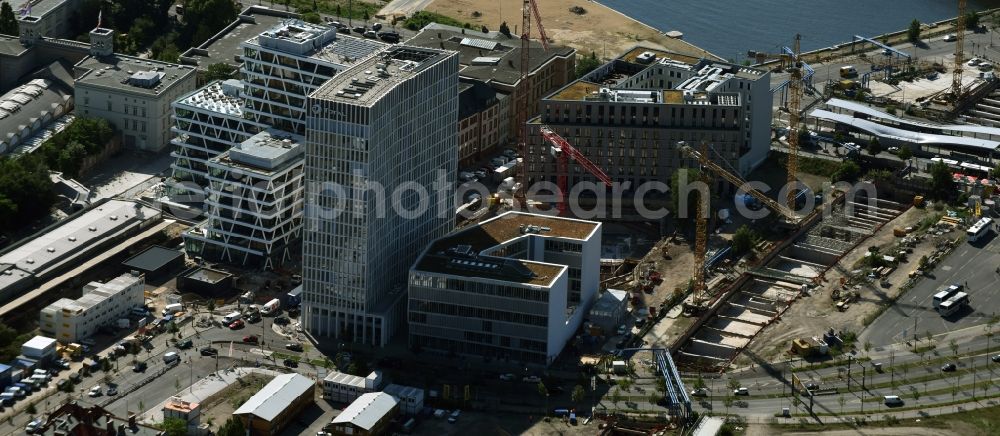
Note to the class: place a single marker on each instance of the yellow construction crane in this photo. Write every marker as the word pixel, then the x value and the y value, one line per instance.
pixel 956 78
pixel 706 162
pixel 793 64
pixel 701 234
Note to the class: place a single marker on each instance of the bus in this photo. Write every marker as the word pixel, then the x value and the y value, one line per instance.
pixel 953 304
pixel 945 293
pixel 979 229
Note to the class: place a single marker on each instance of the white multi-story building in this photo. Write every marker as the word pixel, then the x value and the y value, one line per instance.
pixel 288 62
pixel 628 115
pixel 383 131
pixel 344 388
pixel 514 288
pixel 133 94
pixel 101 304
pixel 254 203
pixel 207 122
pixel 50 18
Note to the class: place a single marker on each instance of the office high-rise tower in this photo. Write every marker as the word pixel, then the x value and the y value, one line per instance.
pixel 380 142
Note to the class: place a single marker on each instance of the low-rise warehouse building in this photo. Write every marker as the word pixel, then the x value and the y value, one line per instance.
pixel 101 304
pixel 156 261
pixel 205 282
pixel 369 415
pixel 39 348
pixel 270 410
pixel 344 388
pixel 411 399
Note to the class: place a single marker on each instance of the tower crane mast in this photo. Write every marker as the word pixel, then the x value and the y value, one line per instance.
pixel 563 152
pixel 528 8
pixel 956 78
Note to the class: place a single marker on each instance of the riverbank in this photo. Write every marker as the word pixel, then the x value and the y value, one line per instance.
pixel 599 29
pixel 928 31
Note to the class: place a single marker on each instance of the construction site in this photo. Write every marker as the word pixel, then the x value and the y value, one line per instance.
pixel 796 268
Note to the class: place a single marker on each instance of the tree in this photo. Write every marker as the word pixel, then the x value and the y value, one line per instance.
pixel 868 346
pixel 625 384
pixel 311 17
pixel 972 20
pixel 204 18
pixel 733 384
pixel 847 171
pixel 210 305
pixel 220 71
pixel 578 393
pixel 904 153
pixel 728 402
pixel 699 383
pixel 544 392
pixel 874 147
pixel 366 16
pixel 913 33
pixel 232 427
pixel 31 406
pixel 841 401
pixel 942 183
pixel 586 64
pixel 743 240
pixel 954 347
pixel 8 22
pixel 505 30
pixel 175 427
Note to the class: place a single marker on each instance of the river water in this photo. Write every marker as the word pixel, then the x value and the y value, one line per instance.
pixel 728 28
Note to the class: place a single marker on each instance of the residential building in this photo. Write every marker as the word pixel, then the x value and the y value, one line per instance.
pixel 345 388
pixel 133 94
pixel 101 304
pixel 369 415
pixel 515 287
pixel 483 120
pixel 494 58
pixel 207 122
pixel 628 115
pixel 51 18
pixel 283 65
pixel 270 410
pixel 411 399
pixel 187 411
pixel 254 203
pixel 386 124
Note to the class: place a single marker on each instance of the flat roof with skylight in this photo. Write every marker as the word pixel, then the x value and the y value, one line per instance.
pixel 317 42
pixel 366 82
pixel 131 74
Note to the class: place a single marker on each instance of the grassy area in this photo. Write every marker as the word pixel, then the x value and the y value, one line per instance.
pixel 282 356
pixel 423 18
pixel 342 8
pixel 819 167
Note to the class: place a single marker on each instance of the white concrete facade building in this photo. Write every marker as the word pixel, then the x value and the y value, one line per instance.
pixel 207 122
pixel 133 94
pixel 513 288
pixel 50 18
pixel 345 388
pixel 254 203
pixel 288 62
pixel 102 304
pixel 387 124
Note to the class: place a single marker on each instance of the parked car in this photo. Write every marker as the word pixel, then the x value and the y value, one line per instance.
pixel 949 37
pixel 294 346
pixel 112 391
pixel 96 391
pixel 281 320
pixel 376 26
pixel 185 344
pixel 741 391
pixel 973 62
pixel 370 34
pixel 996 358
pixel 237 324
pixel 506 377
pixel 700 392
pixel 391 37
pixel 290 363
pixel 139 367
pixel 360 29
pixel 948 367
pixel 209 351
pixel 33 426
pixel 453 418
pixel 812 386
pixel 532 379
pixel 252 339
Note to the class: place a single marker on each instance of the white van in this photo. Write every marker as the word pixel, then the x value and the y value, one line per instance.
pixel 171 357
pixel 228 319
pixel 172 309
pixel 893 400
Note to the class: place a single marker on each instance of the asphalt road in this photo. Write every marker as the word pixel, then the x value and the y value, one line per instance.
pixel 971 264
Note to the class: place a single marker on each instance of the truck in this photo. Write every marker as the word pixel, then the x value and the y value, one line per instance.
pixel 172 309
pixel 270 307
pixel 506 170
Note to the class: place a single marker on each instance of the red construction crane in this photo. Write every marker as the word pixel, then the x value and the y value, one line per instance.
pixel 563 152
pixel 528 7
